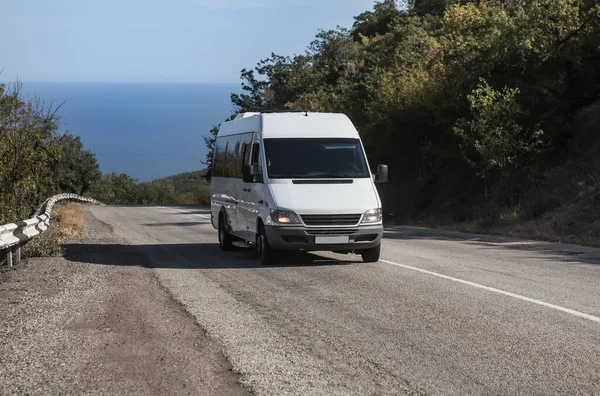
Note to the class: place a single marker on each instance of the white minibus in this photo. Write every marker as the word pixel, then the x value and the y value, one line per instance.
pixel 295 181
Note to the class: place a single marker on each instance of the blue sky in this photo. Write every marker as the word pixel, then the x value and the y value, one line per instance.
pixel 157 40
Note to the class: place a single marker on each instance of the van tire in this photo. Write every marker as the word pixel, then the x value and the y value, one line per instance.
pixel 264 251
pixel 371 255
pixel 225 239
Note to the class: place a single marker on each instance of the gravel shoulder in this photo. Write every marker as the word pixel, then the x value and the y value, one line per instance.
pixel 71 327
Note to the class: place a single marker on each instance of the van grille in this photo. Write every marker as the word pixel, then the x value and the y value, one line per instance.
pixel 329 220
pixel 331 232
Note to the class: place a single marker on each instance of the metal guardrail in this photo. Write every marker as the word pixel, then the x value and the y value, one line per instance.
pixel 13 235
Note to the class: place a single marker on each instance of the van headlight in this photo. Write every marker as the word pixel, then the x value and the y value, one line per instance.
pixel 284 217
pixel 372 216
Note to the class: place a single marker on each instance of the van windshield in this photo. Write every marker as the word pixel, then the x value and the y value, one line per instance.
pixel 288 158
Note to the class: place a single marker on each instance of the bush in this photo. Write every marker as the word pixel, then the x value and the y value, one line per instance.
pixel 539 204
pixel 116 189
pixel 203 195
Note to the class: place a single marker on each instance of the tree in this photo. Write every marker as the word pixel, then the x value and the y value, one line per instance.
pixel 158 192
pixel 495 142
pixel 118 189
pixel 78 168
pixel 452 94
pixel 377 22
pixel 28 153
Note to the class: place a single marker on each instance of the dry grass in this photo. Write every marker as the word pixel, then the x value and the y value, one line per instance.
pixel 69 219
pixel 185 199
pixel 201 197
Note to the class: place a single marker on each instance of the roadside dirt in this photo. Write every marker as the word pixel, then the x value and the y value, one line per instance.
pixel 70 327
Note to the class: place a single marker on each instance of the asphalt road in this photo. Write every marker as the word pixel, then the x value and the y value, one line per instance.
pixel 441 313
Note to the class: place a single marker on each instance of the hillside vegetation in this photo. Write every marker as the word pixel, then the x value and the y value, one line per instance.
pixel 122 189
pixel 476 106
pixel 37 161
pixel 188 182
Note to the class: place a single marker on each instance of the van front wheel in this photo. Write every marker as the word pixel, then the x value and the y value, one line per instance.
pixel 371 255
pixel 264 251
pixel 225 240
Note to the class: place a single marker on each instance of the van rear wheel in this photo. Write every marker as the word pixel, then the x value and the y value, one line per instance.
pixel 264 251
pixel 371 255
pixel 225 239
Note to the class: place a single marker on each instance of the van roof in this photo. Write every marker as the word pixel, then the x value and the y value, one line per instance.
pixel 291 125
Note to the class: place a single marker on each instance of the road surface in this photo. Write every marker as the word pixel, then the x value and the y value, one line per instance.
pixel 441 313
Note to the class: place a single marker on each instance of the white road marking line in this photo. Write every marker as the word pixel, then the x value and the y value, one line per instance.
pixel 465 282
pixel 205 217
pixel 503 292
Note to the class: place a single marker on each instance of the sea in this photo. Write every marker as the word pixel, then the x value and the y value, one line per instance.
pixel 146 130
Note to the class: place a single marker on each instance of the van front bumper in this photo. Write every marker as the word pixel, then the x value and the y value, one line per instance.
pixel 324 239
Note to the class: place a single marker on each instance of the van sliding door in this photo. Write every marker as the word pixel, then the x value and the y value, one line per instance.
pixel 254 191
pixel 232 185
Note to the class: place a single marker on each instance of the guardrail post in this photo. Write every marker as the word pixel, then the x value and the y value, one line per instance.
pixel 9 257
pixel 18 254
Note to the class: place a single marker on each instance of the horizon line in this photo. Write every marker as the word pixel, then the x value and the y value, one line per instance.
pixel 117 82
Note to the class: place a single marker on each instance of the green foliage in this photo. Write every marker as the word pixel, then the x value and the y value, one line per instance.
pixel 494 141
pixel 188 182
pixel 210 145
pixel 77 168
pixel 188 188
pixel 115 188
pixel 158 192
pixel 27 153
pixel 122 189
pixel 35 161
pixel 453 95
pixel 47 244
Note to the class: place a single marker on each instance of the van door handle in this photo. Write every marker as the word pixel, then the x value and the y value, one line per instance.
pixel 246 189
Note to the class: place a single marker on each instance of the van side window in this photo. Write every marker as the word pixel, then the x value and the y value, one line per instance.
pixel 219 160
pixel 229 155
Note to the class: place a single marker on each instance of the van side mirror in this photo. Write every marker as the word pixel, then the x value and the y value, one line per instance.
pixel 382 174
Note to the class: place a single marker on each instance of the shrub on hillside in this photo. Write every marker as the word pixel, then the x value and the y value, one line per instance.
pixel 203 195
pixel 47 244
